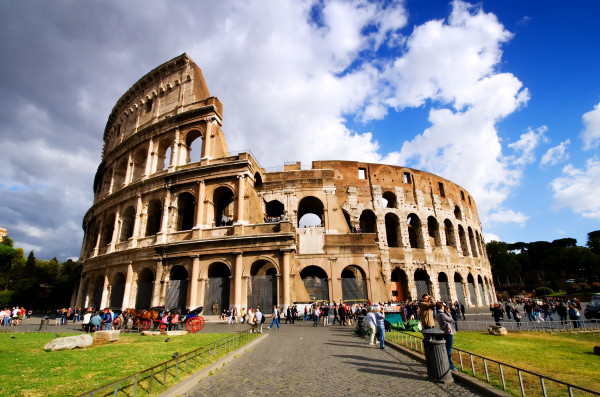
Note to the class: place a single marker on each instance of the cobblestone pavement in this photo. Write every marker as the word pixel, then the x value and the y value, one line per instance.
pixel 302 360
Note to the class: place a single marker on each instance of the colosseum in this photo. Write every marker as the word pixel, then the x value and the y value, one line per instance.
pixel 180 221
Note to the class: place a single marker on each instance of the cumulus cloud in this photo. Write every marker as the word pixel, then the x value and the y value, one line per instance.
pixel 507 216
pixel 555 155
pixel 591 132
pixel 579 189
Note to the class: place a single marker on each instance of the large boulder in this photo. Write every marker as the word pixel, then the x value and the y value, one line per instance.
pixel 497 330
pixel 106 336
pixel 151 333
pixel 69 342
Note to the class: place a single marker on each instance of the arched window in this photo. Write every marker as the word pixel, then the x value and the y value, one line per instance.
pixel 390 200
pixel 177 288
pixel 458 285
pixel 423 283
pixel 463 241
pixel 257 180
pixel 262 286
pixel 218 286
pixel 193 146
pixel 127 223
pixel 186 209
pixel 108 229
pixel 415 234
pixel 120 172
pixel 154 219
pixel 348 221
pixel 392 228
pixel 145 283
pixel 457 213
pixel 164 155
pixel 139 165
pixel 315 281
pixel 473 243
pixel 117 289
pixel 444 289
pixel 311 212
pixel 223 205
pixel 368 222
pixel 274 210
pixel 449 231
pixel 399 285
pixel 106 182
pixel 433 228
pixel 471 284
pixel 483 296
pixel 354 284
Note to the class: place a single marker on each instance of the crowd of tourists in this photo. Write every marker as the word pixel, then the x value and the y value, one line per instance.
pixel 14 316
pixel 538 310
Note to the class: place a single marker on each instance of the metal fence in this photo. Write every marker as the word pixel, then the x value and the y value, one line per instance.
pixel 514 380
pixel 526 325
pixel 161 376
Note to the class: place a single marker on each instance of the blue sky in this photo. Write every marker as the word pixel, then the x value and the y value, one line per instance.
pixel 500 97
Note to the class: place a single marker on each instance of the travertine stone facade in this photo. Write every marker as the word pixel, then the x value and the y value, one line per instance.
pixel 180 221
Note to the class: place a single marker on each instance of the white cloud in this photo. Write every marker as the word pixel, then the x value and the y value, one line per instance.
pixel 591 132
pixel 507 216
pixel 555 155
pixel 579 189
pixel 490 237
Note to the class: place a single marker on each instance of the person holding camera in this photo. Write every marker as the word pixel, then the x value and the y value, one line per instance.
pixel 446 323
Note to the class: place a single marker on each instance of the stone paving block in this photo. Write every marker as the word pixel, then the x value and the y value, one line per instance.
pixel 106 336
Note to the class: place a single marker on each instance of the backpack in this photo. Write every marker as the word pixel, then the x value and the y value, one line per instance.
pixel 262 319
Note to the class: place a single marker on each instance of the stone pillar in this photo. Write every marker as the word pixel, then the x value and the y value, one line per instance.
pixel 371 277
pixel 129 172
pixel 128 282
pixel 116 229
pixel 452 287
pixel 103 300
pixel 149 159
pixel 206 142
pixel 200 200
pixel 79 296
pixel 138 219
pixel 237 285
pixel 467 293
pixel 111 187
pixel 194 283
pixel 412 286
pixel 202 287
pixel 436 287
pixel 240 199
pixel 175 152
pixel 285 266
pixel 164 226
pixel 156 287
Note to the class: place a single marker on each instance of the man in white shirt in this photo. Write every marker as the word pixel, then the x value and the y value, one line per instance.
pixel 371 323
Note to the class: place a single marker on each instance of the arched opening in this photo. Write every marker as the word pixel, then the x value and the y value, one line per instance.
pixel 139 165
pixel 458 286
pixel 275 211
pixel 119 177
pixel 145 282
pixel 368 222
pixel 389 200
pixel 423 283
pixel 444 289
pixel 91 235
pixel 449 231
pixel 164 155
pixel 433 228
pixel 471 285
pixel 262 286
pixel 106 182
pixel 481 292
pixel 193 145
pixel 97 293
pixel 399 286
pixel 177 288
pixel 153 222
pixel 415 234
pixel 392 227
pixel 490 290
pixel 478 242
pixel 117 290
pixel 351 228
pixel 354 284
pixel 315 281
pixel 257 180
pixel 457 213
pixel 311 212
pixel 127 223
pixel 186 209
pixel 473 243
pixel 217 287
pixel 463 241
pixel 107 230
pixel 223 204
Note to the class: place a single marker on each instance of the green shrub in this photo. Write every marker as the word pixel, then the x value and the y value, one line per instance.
pixel 541 291
pixel 5 298
pixel 572 288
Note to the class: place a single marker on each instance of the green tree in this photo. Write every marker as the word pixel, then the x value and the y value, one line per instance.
pixel 505 265
pixel 593 241
pixel 30 266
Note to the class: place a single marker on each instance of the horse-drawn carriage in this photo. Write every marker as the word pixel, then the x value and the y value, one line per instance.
pixel 143 320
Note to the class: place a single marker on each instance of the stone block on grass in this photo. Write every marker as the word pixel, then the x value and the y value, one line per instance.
pixel 101 337
pixel 497 330
pixel 174 333
pixel 69 342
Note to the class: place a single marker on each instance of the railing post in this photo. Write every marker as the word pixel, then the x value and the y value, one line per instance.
pixel 521 383
pixel 487 375
pixel 472 364
pixel 502 377
pixel 151 379
pixel 135 383
pixel 543 386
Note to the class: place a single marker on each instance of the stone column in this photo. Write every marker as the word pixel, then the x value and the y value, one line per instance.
pixel 371 277
pixel 467 293
pixel 79 296
pixel 206 142
pixel 237 284
pixel 164 226
pixel 138 220
pixel 194 282
pixel 128 281
pixel 201 292
pixel 156 287
pixel 175 152
pixel 116 229
pixel 412 286
pixel 240 199
pixel 285 266
pixel 129 172
pixel 452 286
pixel 200 206
pixel 103 300
pixel 112 180
pixel 149 159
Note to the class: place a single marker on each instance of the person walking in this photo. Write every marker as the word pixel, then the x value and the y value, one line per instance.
pixel 446 324
pixel 372 325
pixel 426 312
pixel 379 318
pixel 258 317
pixel 275 317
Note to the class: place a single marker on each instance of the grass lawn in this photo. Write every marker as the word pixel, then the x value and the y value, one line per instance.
pixel 566 356
pixel 27 370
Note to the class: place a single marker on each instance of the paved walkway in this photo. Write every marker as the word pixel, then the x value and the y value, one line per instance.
pixel 302 360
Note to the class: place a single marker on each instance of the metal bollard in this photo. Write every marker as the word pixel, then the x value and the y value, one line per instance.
pixel 436 357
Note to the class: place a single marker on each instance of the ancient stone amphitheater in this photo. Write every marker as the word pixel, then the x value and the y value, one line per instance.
pixel 180 221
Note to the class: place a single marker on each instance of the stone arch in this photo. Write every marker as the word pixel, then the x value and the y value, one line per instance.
pixel 316 282
pixel 108 229
pixel 399 285
pixel 449 231
pixel 138 168
pixel 390 200
pixel 91 235
pixel 311 212
pixel 145 284
pixel 186 210
pixel 354 284
pixel 457 213
pixel 433 228
pixel 193 144
pixel 392 230
pixel 154 217
pixel 471 286
pixel 257 180
pixel 177 287
pixel 472 242
pixel 274 210
pixel 415 232
pixel 218 286
pixel 223 202
pixel 423 282
pixel 117 289
pixel 106 180
pixel 127 224
pixel 463 240
pixel 164 154
pixel 119 174
pixel 348 221
pixel 478 242
pixel 484 298
pixel 97 289
pixel 262 285
pixel 444 287
pixel 458 286
pixel 368 222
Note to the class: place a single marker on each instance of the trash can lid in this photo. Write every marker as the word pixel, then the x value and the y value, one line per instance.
pixel 433 333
